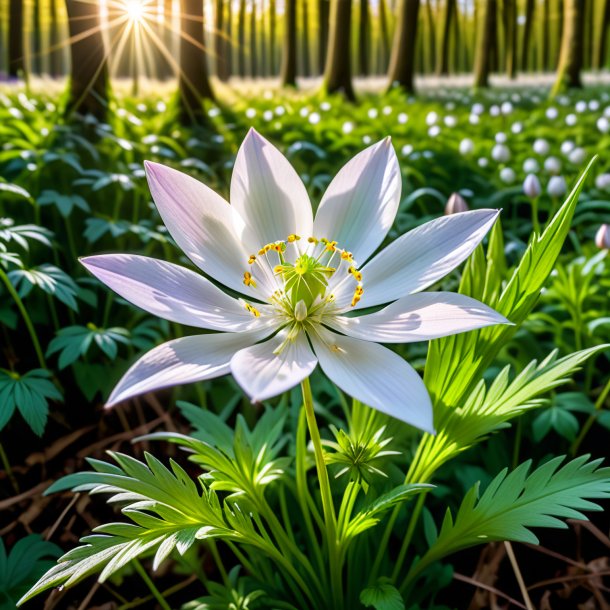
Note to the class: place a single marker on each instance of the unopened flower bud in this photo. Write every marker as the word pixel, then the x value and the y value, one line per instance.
pixel 552 165
pixel 507 175
pixel 602 237
pixel 531 186
pixel 602 182
pixel 500 153
pixel 541 147
pixel 557 186
pixel 455 204
pixel 577 156
pixel 466 147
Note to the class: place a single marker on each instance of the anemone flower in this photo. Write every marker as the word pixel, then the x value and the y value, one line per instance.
pixel 303 281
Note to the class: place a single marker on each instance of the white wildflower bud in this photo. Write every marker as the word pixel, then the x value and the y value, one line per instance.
pixel 466 147
pixel 450 120
pixel 483 162
pixel 474 119
pixel 594 105
pixel 571 120
pixel 552 113
pixel 557 186
pixel 506 108
pixel 478 108
pixel 531 166
pixel 434 131
pixel 300 311
pixel 567 146
pixel 500 153
pixel 431 118
pixel 580 106
pixel 602 182
pixel 602 237
pixel 494 110
pixel 531 186
pixel 517 127
pixel 552 165
pixel 577 156
pixel 455 204
pixel 603 124
pixel 541 147
pixel 507 175
pixel 500 137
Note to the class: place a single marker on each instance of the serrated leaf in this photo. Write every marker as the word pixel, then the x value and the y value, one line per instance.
pixel 382 596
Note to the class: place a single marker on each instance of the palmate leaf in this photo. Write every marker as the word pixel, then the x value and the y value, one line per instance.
pixel 21 234
pixel 514 502
pixel 64 203
pixel 382 596
pixel 50 279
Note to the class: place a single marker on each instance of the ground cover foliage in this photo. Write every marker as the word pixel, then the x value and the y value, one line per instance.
pixel 235 520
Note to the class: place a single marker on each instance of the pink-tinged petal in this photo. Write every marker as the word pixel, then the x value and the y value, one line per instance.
pixel 361 202
pixel 262 373
pixel 375 376
pixel 171 292
pixel 419 317
pixel 423 256
pixel 269 197
pixel 184 360
pixel 201 223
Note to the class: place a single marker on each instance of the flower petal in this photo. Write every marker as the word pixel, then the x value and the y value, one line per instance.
pixel 361 202
pixel 263 374
pixel 201 223
pixel 268 195
pixel 170 291
pixel 184 360
pixel 423 256
pixel 376 376
pixel 419 317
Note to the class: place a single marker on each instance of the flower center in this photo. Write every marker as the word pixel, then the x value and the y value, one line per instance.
pixel 306 272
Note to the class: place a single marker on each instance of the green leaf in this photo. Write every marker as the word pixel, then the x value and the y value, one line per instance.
pixel 48 278
pixel 382 596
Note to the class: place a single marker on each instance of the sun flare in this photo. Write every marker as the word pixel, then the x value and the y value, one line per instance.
pixel 135 10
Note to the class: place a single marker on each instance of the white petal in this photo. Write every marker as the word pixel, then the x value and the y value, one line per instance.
pixel 419 317
pixel 201 223
pixel 184 360
pixel 423 256
pixel 268 195
pixel 361 202
pixel 375 376
pixel 263 374
pixel 170 291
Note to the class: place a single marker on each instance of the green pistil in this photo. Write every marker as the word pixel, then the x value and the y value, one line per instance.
pixel 306 280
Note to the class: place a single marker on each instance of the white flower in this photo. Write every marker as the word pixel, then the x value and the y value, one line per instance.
pixel 387 110
pixel 580 106
pixel 577 156
pixel 557 186
pixel 456 204
pixel 483 162
pixel 302 279
pixel 347 127
pixel 250 113
pixel 506 108
pixel 530 166
pixel 593 105
pixel 552 165
pixel 566 147
pixel 602 182
pixel 434 131
pixel 571 119
pixel 541 147
pixel 517 127
pixel 552 113
pixel 466 146
pixel 268 115
pixel 474 119
pixel 402 118
pixel 406 150
pixel 477 108
pixel 500 153
pixel 494 110
pixel 431 118
pixel 500 138
pixel 325 106
pixel 372 113
pixel 603 124
pixel 314 118
pixel 507 175
pixel 602 237
pixel 531 186
pixel 450 120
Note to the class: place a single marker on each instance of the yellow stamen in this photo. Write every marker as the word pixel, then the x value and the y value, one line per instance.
pixel 255 312
pixel 251 259
pixel 313 240
pixel 346 256
pixel 293 237
pixel 331 246
pixel 249 280
pixel 277 269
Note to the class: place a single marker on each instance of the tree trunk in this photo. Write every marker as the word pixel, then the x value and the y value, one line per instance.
pixel 241 39
pixel 55 52
pixel 193 84
pixel 527 35
pixel 546 27
pixel 264 67
pixel 88 92
pixel 485 44
pixel 338 68
pixel 305 39
pixel 323 16
pixel 384 36
pixel 430 57
pixel 16 64
pixel 363 39
pixel 253 50
pixel 603 36
pixel 442 63
pixel 229 40
pixel 571 55
pixel 288 72
pixel 402 62
pixel 36 39
pixel 220 42
pixel 510 35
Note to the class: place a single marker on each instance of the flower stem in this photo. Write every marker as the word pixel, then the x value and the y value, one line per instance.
pixel 599 403
pixel 328 508
pixel 151 585
pixel 25 316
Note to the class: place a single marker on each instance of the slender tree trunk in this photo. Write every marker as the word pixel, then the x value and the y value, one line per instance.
pixel 546 26
pixel 430 57
pixel 241 39
pixel 229 40
pixel 510 32
pixel 364 38
pixel 485 44
pixel 88 92
pixel 305 39
pixel 442 63
pixel 288 72
pixel 272 35
pixel 220 42
pixel 55 53
pixel 36 39
pixel 264 67
pixel 384 36
pixel 571 55
pixel 193 84
pixel 603 36
pixel 527 34
pixel 323 17
pixel 253 49
pixel 16 63
pixel 402 62
pixel 338 69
